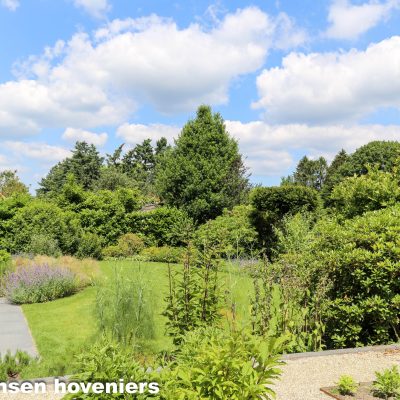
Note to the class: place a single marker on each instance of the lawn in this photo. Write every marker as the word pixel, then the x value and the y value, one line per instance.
pixel 62 328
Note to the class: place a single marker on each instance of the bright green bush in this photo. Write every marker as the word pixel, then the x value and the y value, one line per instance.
pixel 12 364
pixel 231 234
pixel 387 383
pixel 109 361
pixel 128 245
pixel 359 260
pixel 90 246
pixel 346 385
pixel 162 226
pixel 42 244
pixel 375 190
pixel 163 254
pixel 216 365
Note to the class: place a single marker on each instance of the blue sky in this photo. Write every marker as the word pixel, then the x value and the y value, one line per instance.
pixel 290 78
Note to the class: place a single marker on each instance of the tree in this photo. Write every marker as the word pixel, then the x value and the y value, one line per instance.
pixel 204 172
pixel 10 184
pixel 85 164
pixel 311 173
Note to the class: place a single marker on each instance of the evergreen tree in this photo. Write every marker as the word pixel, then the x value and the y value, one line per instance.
pixel 204 172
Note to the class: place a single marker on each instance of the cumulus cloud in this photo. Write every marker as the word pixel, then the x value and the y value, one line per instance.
pixel 349 21
pixel 98 80
pixel 270 148
pixel 37 151
pixel 96 8
pixel 75 134
pixel 12 5
pixel 331 87
pixel 136 133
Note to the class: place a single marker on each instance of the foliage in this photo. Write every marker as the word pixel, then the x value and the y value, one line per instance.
pixel 128 245
pixel 11 365
pixel 45 219
pixel 277 311
pixel 10 184
pixel 360 260
pixel 164 254
pixel 387 383
pixel 124 311
pixel 375 190
pixel 380 154
pixel 216 365
pixel 272 204
pixel 194 298
pixel 5 261
pixel 204 172
pixel 230 234
pixel 84 164
pixel 310 173
pixel 38 284
pixel 90 246
pixel 108 361
pixel 161 226
pixel 346 385
pixel 42 244
pixel 112 178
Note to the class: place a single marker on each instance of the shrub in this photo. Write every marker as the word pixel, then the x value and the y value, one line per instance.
pixel 43 244
pixel 271 204
pixel 124 311
pixel 109 361
pixel 373 191
pixel 231 233
pixel 346 385
pixel 216 365
pixel 163 254
pixel 90 246
pixel 387 383
pixel 128 245
pixel 12 365
pixel 38 284
pixel 5 261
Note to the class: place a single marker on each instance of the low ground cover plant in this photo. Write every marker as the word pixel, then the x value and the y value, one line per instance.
pixel 346 385
pixel 39 283
pixel 387 383
pixel 12 364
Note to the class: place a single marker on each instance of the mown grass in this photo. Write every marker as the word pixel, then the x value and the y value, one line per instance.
pixel 64 327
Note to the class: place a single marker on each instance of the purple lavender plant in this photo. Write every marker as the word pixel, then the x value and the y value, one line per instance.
pixel 39 283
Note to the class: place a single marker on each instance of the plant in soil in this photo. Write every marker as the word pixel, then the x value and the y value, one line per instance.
pixel 346 385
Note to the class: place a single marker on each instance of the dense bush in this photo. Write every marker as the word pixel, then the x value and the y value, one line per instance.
pixel 162 226
pixel 163 254
pixel 387 383
pixel 42 244
pixel 359 260
pixel 271 204
pixel 216 365
pixel 128 245
pixel 38 284
pixel 5 261
pixel 90 246
pixel 375 190
pixel 231 234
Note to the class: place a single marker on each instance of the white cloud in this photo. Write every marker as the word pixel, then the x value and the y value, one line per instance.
pixel 349 21
pixel 96 81
pixel 37 151
pixel 75 134
pixel 331 87
pixel 12 5
pixel 96 8
pixel 270 148
pixel 136 133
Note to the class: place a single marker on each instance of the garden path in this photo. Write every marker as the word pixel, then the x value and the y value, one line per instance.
pixel 303 376
pixel 14 330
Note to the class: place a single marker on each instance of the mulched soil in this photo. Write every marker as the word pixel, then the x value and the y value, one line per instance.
pixel 363 393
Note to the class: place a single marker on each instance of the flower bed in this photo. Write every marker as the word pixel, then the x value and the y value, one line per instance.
pixel 39 283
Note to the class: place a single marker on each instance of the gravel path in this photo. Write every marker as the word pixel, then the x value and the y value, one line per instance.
pixel 303 377
pixel 14 331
